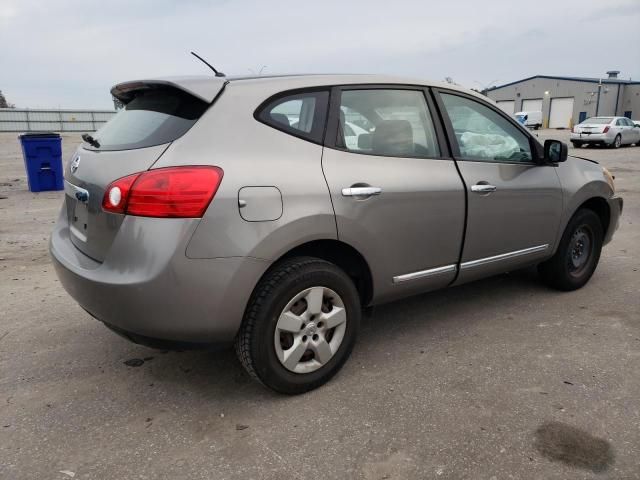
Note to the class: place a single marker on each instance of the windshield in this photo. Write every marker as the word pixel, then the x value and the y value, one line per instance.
pixel 152 118
pixel 598 120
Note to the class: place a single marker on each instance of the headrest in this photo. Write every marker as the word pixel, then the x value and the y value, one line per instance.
pixel 393 137
pixel 364 141
pixel 280 118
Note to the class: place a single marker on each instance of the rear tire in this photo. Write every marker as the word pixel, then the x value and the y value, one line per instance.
pixel 576 144
pixel 617 142
pixel 300 325
pixel 578 253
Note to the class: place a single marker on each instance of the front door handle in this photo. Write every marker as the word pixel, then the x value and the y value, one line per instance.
pixel 361 191
pixel 483 188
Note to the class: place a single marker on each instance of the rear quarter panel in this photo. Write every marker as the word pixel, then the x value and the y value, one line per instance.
pixel 254 154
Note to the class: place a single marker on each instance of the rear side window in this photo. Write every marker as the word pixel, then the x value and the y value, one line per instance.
pixel 153 117
pixel 302 114
pixel 386 122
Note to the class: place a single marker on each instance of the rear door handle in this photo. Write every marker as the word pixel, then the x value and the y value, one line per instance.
pixel 361 191
pixel 483 188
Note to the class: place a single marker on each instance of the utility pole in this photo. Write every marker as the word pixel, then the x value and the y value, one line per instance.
pixel 598 100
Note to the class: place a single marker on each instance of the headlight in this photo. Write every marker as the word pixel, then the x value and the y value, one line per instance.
pixel 609 177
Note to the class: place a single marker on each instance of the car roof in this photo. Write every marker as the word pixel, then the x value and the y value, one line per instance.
pixel 207 87
pixel 610 118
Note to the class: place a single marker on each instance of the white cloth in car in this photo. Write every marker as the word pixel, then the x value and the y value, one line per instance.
pixel 487 145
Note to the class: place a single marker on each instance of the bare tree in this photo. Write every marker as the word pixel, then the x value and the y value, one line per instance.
pixel 4 103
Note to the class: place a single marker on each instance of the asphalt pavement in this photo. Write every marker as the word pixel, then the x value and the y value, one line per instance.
pixel 498 379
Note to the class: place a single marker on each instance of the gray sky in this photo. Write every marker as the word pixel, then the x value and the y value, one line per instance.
pixel 69 53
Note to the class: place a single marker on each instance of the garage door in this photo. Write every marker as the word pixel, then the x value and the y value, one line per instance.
pixel 507 105
pixel 561 112
pixel 532 105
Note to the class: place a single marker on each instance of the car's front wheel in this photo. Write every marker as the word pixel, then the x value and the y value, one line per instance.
pixel 578 253
pixel 300 325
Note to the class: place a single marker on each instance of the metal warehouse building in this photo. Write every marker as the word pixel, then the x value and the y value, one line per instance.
pixel 565 101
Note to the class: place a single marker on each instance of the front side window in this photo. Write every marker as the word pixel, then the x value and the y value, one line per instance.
pixel 482 134
pixel 386 122
pixel 300 114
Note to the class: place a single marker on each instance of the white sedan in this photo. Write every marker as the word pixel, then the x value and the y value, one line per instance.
pixel 610 131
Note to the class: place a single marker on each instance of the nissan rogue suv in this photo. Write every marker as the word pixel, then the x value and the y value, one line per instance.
pixel 216 210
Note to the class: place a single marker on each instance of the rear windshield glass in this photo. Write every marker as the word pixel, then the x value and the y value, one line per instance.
pixel 598 120
pixel 153 117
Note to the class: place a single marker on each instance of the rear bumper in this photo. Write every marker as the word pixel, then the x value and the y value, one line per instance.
pixel 591 138
pixel 615 211
pixel 148 287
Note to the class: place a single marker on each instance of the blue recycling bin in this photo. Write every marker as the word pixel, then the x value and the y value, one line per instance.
pixel 42 154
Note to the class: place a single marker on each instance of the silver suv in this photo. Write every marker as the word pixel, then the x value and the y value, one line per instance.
pixel 214 210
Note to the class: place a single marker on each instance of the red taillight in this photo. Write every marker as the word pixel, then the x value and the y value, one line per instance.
pixel 175 192
pixel 574 129
pixel 115 198
pixel 606 129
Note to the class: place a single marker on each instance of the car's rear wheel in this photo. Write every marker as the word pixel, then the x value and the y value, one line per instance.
pixel 578 253
pixel 617 142
pixel 576 143
pixel 300 325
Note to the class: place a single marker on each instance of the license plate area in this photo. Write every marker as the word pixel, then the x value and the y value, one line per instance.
pixel 80 221
pixel 78 199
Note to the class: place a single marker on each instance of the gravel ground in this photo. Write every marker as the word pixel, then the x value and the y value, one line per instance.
pixel 502 378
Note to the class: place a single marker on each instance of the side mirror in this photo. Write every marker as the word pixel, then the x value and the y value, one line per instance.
pixel 555 151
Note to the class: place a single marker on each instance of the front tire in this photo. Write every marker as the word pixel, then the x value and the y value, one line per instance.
pixel 578 253
pixel 300 325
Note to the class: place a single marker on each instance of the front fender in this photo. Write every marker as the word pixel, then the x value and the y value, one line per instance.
pixel 581 181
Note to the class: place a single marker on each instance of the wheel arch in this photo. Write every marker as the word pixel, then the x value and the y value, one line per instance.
pixel 601 208
pixel 344 256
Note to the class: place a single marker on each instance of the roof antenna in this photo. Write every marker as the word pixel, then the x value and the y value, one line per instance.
pixel 218 74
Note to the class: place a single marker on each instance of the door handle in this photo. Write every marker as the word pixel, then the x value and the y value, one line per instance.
pixel 361 191
pixel 483 188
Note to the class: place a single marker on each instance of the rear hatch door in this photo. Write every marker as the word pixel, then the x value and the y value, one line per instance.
pixel 155 114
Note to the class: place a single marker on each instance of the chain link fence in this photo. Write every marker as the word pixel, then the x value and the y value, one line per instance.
pixel 37 120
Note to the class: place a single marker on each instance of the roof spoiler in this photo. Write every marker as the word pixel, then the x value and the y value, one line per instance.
pixel 204 88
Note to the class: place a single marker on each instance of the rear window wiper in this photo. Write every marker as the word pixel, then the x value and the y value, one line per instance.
pixel 90 140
